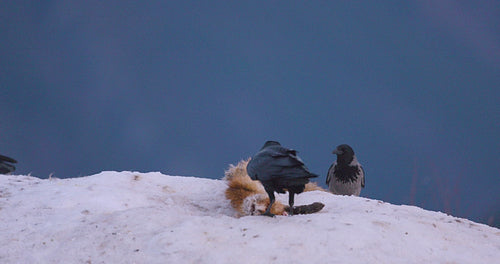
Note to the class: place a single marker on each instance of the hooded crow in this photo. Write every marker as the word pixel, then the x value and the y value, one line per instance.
pixel 5 166
pixel 279 169
pixel 346 176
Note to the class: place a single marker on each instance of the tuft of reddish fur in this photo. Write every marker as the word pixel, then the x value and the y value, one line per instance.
pixel 312 186
pixel 248 197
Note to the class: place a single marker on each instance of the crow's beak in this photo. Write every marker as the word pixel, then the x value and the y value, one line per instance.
pixel 337 152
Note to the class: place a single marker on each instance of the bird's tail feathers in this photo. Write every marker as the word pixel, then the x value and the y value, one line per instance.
pixel 8 159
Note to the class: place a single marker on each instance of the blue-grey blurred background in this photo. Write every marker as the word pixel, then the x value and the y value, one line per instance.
pixel 188 87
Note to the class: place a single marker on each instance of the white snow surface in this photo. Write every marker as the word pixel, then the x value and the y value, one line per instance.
pixel 131 217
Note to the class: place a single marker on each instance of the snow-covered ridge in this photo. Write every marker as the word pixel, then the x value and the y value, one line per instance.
pixel 130 217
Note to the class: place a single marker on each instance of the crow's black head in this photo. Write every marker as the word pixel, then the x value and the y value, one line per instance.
pixel 270 143
pixel 344 153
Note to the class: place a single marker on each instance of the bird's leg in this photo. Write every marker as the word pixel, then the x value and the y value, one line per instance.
pixel 290 201
pixel 271 201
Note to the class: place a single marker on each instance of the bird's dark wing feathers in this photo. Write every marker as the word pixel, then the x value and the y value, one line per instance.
pixel 279 169
pixel 5 158
pixel 286 161
pixel 5 167
pixel 364 176
pixel 283 152
pixel 328 177
pixel 284 167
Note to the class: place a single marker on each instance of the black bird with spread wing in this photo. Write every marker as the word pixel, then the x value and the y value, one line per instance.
pixel 5 166
pixel 279 169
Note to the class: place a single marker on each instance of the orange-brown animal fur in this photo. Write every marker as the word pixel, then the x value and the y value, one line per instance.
pixel 248 197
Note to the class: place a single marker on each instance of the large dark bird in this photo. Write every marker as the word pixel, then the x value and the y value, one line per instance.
pixel 346 176
pixel 5 166
pixel 279 169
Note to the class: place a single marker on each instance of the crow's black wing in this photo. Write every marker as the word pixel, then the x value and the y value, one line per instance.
pixel 363 176
pixel 276 162
pixel 5 166
pixel 330 173
pixel 286 160
pixel 8 159
pixel 287 164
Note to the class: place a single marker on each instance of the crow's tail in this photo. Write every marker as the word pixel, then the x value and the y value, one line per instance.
pixel 306 209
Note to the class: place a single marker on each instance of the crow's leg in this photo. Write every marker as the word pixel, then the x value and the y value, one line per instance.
pixel 290 201
pixel 271 201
